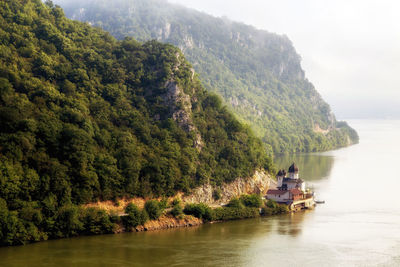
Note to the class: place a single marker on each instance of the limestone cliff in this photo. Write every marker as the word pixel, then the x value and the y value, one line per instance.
pixel 180 104
pixel 259 183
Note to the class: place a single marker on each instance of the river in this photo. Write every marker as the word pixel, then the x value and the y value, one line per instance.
pixel 359 225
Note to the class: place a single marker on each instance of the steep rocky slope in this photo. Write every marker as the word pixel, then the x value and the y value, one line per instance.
pixel 258 73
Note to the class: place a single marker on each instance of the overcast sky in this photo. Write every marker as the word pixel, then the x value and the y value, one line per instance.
pixel 350 49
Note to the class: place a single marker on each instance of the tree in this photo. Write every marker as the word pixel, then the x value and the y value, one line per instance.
pixel 253 200
pixel 201 211
pixel 153 209
pixel 134 216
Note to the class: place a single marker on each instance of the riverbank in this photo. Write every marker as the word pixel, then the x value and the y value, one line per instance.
pixel 167 222
pixel 214 196
pixel 247 206
pixel 206 199
pixel 108 217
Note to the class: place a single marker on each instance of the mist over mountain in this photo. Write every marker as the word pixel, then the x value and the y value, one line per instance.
pixel 258 73
pixel 350 50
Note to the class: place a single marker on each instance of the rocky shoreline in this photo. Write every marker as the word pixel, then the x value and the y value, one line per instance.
pixel 165 222
pixel 258 183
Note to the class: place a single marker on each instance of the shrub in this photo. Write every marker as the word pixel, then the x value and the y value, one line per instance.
pixel 253 200
pixel 134 216
pixel 272 208
pixel 144 216
pixel 201 211
pixel 163 204
pixel 176 201
pixel 235 203
pixel 97 221
pixel 283 208
pixel 217 194
pixel 271 204
pixel 227 213
pixel 177 210
pixel 67 221
pixel 153 209
pixel 115 218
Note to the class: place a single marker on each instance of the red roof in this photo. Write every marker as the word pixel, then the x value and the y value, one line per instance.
pixel 276 192
pixel 296 191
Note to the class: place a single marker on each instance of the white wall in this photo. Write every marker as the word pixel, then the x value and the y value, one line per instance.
pixel 279 198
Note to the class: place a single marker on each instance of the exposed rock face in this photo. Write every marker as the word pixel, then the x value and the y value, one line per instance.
pixel 180 105
pixel 250 107
pixel 259 183
pixel 318 129
pixel 181 108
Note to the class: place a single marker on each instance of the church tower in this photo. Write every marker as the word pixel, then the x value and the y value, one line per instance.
pixel 293 172
pixel 279 177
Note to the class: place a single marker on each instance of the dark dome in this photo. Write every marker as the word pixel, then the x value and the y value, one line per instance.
pixel 281 173
pixel 293 168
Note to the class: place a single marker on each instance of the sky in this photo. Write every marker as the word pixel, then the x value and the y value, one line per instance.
pixel 350 49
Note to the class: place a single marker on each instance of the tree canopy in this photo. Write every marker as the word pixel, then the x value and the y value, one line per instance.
pixel 84 117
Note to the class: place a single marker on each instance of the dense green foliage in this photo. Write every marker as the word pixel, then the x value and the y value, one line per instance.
pixel 97 222
pixel 201 211
pixel 134 216
pixel 233 211
pixel 153 209
pixel 177 209
pixel 253 200
pixel 273 208
pixel 250 201
pixel 28 224
pixel 84 117
pixel 258 73
pixel 227 213
pixel 235 203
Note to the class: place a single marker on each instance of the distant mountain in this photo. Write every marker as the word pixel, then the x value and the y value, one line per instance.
pixel 84 117
pixel 258 73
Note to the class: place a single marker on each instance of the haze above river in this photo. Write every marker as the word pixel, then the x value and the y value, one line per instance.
pixel 358 226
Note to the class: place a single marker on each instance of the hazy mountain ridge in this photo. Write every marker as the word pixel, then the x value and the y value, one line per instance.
pixel 258 73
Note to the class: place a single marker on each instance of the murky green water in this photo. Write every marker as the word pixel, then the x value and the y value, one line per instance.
pixel 358 226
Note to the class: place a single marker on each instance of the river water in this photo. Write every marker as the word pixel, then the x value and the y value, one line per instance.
pixel 359 224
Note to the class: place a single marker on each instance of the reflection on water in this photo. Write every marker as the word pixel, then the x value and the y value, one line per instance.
pixel 219 244
pixel 290 225
pixel 358 226
pixel 313 166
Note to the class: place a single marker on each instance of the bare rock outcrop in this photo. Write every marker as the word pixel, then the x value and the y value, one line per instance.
pixel 180 104
pixel 259 183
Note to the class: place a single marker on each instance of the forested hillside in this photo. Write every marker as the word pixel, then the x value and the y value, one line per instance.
pixel 258 73
pixel 85 117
